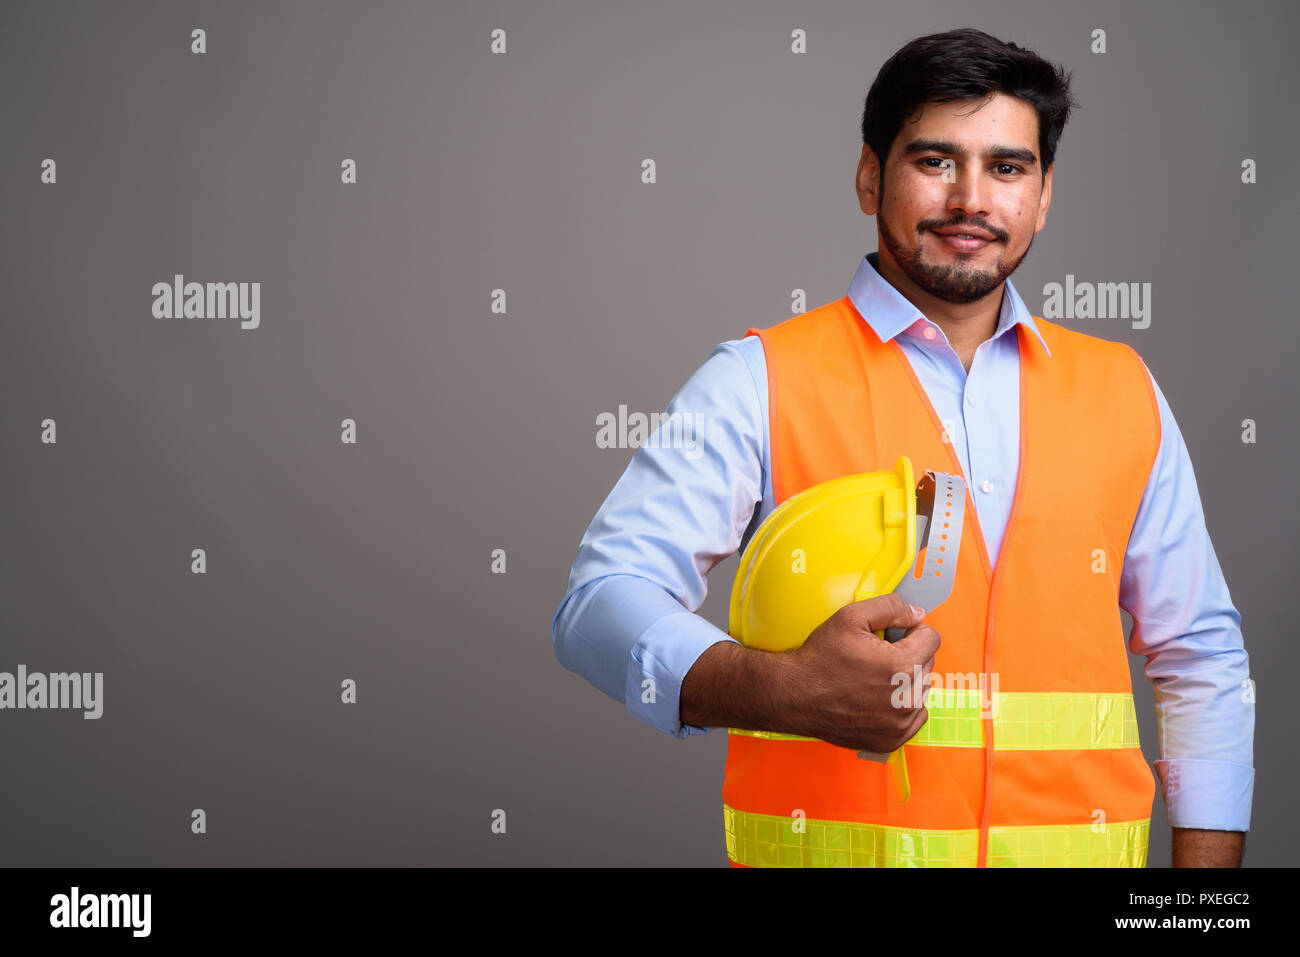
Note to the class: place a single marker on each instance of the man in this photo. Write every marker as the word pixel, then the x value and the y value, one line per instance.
pixel 1082 499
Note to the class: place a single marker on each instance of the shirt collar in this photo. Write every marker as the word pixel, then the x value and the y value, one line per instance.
pixel 889 313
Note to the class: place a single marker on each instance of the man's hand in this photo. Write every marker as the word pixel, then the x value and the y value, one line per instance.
pixel 1202 848
pixel 836 686
pixel 842 678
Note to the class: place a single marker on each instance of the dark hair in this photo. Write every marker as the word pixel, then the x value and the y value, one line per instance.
pixel 962 65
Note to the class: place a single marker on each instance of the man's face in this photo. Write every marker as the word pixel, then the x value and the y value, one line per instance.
pixel 960 165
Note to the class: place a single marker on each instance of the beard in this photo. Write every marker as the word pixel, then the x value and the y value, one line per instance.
pixel 960 283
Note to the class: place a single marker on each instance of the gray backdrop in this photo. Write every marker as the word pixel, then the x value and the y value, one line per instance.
pixel 476 431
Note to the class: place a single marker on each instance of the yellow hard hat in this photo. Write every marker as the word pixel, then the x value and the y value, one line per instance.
pixel 842 541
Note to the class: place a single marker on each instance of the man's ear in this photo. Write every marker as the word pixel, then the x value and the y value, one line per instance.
pixel 1045 200
pixel 868 181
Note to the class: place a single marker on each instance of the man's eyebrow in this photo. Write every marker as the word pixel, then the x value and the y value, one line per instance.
pixel 952 149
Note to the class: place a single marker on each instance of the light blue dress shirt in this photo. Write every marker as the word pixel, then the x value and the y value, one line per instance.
pixel 694 496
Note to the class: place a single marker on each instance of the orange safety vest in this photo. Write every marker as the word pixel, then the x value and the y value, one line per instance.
pixel 1048 771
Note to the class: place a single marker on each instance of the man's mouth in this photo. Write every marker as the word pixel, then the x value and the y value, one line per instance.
pixel 962 242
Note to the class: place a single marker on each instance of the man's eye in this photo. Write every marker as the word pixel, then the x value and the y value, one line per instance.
pixel 936 162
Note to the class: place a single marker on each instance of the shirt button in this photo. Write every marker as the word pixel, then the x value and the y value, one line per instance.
pixel 986 486
pixel 970 398
pixel 929 332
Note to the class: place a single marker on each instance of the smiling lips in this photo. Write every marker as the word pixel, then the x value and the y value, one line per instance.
pixel 964 241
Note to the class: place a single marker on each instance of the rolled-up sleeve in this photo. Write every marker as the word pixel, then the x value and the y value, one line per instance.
pixel 627 622
pixel 1185 624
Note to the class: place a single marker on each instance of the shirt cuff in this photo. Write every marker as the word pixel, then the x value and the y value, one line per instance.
pixel 1212 795
pixel 658 664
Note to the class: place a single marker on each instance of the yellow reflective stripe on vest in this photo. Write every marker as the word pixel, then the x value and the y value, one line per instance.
pixel 957 716
pixel 762 840
pixel 1050 720
pixel 1022 721
pixel 1122 844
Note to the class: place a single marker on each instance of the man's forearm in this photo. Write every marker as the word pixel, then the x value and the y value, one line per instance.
pixel 1203 848
pixel 731 686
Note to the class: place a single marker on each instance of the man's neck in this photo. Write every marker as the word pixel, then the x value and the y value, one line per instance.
pixel 966 324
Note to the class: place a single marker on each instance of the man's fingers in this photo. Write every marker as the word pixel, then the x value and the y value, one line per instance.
pixel 883 611
pixel 918 719
pixel 920 644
